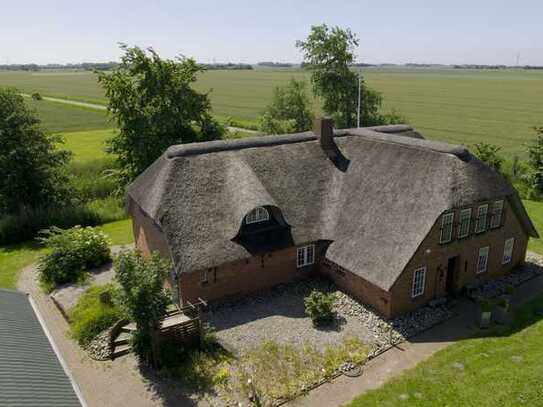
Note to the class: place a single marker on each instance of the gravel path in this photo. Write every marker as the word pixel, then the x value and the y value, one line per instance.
pixel 279 315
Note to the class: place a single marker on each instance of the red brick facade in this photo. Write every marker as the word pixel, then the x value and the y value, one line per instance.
pixel 264 271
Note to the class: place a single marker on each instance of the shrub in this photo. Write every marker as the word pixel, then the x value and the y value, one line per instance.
pixel 37 96
pixel 319 306
pixel 91 316
pixel 73 251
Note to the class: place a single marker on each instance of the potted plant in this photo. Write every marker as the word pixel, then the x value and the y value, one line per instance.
pixel 486 313
pixel 501 311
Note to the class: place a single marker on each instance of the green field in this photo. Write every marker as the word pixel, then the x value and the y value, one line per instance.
pixel 459 106
pixel 58 117
pixel 87 145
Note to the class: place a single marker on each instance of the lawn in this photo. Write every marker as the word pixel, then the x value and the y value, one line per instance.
pixel 497 370
pixel 454 105
pixel 57 117
pixel 535 210
pixel 15 257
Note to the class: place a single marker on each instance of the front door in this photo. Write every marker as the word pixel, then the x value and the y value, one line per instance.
pixel 452 269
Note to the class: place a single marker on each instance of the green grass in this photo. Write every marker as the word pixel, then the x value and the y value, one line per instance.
pixel 14 258
pixel 498 370
pixel 90 316
pixel 57 117
pixel 535 210
pixel 87 145
pixel 454 105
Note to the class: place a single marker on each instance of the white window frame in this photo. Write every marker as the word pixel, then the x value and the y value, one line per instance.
pixel 447 220
pixel 508 247
pixel 497 214
pixel 305 255
pixel 419 282
pixel 204 278
pixel 483 254
pixel 465 215
pixel 480 226
pixel 258 214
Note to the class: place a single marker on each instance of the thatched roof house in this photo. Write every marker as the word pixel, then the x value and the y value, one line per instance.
pixel 369 197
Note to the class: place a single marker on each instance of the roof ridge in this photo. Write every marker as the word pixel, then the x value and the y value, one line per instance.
pixel 385 134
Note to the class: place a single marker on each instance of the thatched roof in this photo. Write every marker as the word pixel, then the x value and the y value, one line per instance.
pixel 375 210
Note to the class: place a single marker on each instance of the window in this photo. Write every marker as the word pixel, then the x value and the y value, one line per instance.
pixel 496 216
pixel 306 255
pixel 480 225
pixel 446 227
pixel 508 250
pixel 419 278
pixel 482 261
pixel 203 277
pixel 465 220
pixel 258 214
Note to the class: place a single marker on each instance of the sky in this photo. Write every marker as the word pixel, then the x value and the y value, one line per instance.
pixel 409 31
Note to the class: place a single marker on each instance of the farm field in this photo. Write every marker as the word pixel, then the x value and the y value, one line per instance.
pixel 458 106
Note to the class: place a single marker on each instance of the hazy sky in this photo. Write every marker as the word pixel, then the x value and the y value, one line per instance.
pixel 475 31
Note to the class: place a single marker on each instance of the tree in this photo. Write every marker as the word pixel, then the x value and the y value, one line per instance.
pixel 329 55
pixel 535 162
pixel 489 154
pixel 290 110
pixel 31 164
pixel 154 106
pixel 142 295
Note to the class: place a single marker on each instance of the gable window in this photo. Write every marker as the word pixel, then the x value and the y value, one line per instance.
pixel 508 250
pixel 496 216
pixel 482 260
pixel 446 227
pixel 258 214
pixel 465 220
pixel 305 255
pixel 480 225
pixel 419 279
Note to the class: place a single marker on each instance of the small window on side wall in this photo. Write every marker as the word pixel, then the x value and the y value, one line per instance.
pixel 482 260
pixel 446 227
pixel 258 214
pixel 419 280
pixel 482 212
pixel 508 251
pixel 465 220
pixel 496 216
pixel 305 255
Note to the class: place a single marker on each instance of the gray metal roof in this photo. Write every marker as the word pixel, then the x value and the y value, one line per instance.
pixel 375 211
pixel 30 373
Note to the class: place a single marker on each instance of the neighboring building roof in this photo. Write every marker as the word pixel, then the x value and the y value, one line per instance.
pixel 30 373
pixel 375 211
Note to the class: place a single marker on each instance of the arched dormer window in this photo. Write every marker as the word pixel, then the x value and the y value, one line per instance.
pixel 258 214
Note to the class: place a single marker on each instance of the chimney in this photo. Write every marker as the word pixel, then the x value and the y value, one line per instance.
pixel 323 127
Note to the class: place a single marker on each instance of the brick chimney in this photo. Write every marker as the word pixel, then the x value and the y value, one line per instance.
pixel 323 127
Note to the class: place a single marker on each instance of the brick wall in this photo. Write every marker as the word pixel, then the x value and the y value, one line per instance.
pixel 244 276
pixel 434 256
pixel 147 235
pixel 358 287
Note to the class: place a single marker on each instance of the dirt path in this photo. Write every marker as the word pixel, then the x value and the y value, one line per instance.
pixel 103 384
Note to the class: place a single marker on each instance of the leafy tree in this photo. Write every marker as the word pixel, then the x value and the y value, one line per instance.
pixel 329 55
pixel 489 154
pixel 154 105
pixel 289 111
pixel 32 166
pixel 142 294
pixel 535 162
